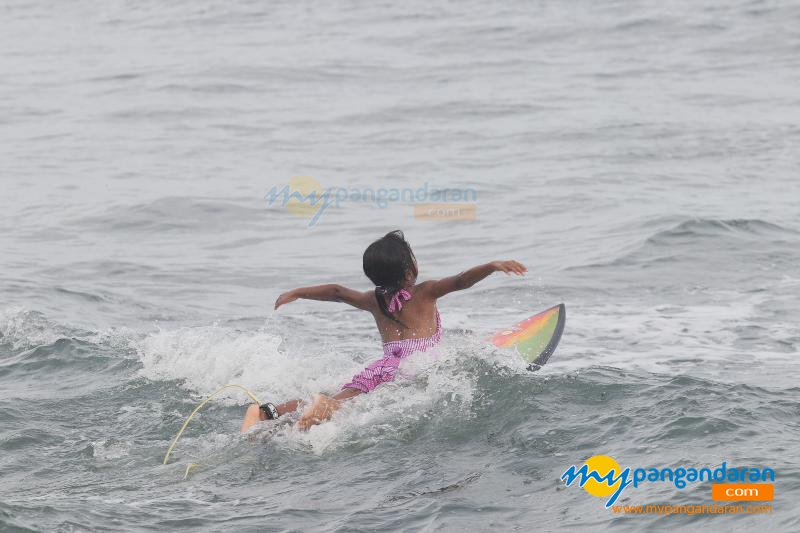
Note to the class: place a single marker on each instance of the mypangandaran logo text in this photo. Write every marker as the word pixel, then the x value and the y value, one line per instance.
pixel 602 476
pixel 303 196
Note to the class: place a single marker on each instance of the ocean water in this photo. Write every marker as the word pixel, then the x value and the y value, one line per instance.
pixel 640 157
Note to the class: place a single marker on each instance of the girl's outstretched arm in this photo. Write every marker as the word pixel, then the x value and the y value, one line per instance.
pixel 468 278
pixel 329 293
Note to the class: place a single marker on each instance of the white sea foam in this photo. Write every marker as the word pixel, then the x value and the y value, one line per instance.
pixel 703 339
pixel 207 357
pixel 23 328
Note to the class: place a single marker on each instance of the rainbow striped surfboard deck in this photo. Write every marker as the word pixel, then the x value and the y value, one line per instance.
pixel 535 338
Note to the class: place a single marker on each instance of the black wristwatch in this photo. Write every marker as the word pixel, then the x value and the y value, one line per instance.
pixel 270 410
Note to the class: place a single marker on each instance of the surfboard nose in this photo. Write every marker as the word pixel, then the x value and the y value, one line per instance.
pixel 535 338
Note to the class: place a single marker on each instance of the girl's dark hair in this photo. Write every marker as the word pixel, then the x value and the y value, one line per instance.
pixel 386 262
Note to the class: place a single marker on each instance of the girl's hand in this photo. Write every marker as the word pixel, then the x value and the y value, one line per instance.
pixel 509 267
pixel 285 298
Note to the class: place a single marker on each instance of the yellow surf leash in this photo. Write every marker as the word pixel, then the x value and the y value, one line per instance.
pixel 185 424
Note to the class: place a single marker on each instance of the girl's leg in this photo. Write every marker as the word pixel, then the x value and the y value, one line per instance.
pixel 288 407
pixel 346 394
pixel 254 413
pixel 251 416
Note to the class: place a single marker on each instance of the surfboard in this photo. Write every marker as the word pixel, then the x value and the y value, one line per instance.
pixel 535 338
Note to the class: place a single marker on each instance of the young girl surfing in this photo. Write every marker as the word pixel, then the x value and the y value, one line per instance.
pixel 404 311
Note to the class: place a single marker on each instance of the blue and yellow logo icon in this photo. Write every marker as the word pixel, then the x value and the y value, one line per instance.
pixel 603 465
pixel 600 476
pixel 305 196
pixel 302 196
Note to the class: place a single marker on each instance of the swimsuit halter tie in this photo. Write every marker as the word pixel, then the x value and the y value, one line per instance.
pixel 396 303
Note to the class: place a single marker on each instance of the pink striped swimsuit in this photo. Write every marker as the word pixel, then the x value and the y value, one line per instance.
pixel 384 369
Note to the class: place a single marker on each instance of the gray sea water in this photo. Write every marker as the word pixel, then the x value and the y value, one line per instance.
pixel 641 157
